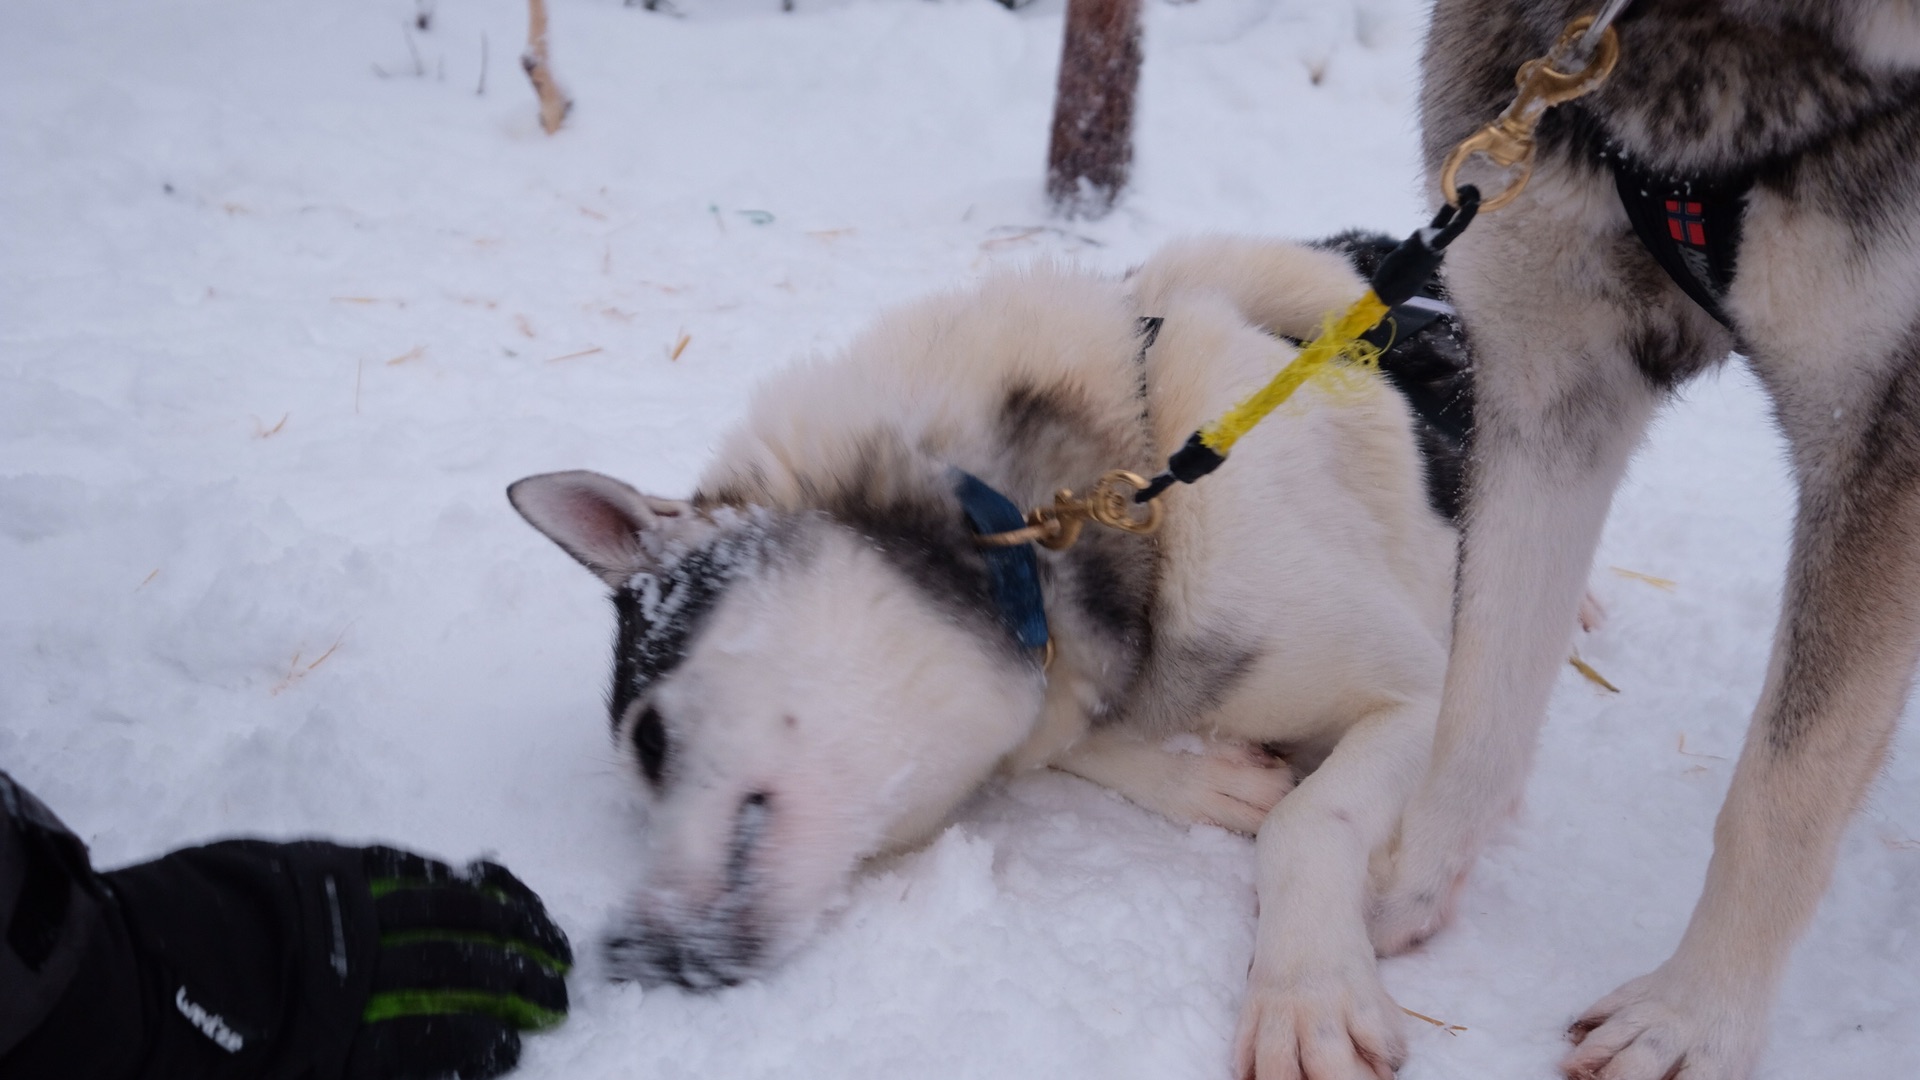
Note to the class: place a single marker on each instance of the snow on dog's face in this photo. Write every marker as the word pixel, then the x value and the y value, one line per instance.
pixel 791 700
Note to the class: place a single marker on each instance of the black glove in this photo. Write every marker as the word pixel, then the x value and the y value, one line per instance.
pixel 249 960
pixel 468 959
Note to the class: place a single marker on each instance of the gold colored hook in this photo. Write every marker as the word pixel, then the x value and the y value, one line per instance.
pixel 1508 141
pixel 1110 503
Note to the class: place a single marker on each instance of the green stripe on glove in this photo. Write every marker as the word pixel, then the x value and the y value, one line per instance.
pixel 467 960
pixel 521 1013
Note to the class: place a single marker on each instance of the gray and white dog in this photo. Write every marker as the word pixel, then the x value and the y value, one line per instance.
pixel 1769 151
pixel 817 662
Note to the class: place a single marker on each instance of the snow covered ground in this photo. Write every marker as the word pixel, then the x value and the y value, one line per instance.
pixel 285 303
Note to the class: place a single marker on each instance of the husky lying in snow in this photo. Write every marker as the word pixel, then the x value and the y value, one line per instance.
pixel 811 666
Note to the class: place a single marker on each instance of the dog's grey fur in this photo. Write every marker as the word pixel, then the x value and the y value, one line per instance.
pixel 1578 337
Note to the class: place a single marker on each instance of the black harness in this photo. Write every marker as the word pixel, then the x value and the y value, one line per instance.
pixel 1689 224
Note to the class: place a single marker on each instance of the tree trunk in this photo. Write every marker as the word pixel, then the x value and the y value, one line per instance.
pixel 554 104
pixel 1092 146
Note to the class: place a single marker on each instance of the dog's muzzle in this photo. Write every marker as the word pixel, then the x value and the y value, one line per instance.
pixel 718 945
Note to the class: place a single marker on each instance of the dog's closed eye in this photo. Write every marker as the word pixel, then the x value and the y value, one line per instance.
pixel 650 744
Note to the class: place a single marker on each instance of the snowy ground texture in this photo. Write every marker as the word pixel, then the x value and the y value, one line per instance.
pixel 285 303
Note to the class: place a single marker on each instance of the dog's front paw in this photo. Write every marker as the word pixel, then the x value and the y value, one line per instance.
pixel 1660 1026
pixel 1310 1022
pixel 1414 892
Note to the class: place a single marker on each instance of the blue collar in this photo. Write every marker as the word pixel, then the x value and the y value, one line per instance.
pixel 1014 572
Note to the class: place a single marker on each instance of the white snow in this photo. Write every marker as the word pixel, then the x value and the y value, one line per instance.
pixel 280 319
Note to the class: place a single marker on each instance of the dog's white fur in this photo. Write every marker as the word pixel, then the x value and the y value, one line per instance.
pixel 828 680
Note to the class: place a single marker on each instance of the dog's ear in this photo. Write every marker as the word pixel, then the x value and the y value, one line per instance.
pixel 596 519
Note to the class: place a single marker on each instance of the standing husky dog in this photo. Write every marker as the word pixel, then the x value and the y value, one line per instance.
pixel 1785 136
pixel 814 664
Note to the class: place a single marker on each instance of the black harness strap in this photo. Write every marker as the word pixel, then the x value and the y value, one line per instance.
pixel 1689 224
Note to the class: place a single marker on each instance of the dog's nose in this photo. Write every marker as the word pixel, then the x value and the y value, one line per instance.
pixel 714 953
pixel 653 957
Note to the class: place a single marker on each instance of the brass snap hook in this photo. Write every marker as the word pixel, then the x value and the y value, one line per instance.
pixel 1508 141
pixel 1110 503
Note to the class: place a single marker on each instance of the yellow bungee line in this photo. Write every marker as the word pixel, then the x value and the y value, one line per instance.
pixel 1338 341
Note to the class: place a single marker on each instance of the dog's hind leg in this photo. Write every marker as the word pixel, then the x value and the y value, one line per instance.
pixel 1563 396
pixel 1230 783
pixel 1842 665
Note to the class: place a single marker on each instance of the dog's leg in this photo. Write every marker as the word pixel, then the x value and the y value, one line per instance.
pixel 1230 784
pixel 1560 406
pixel 1315 1007
pixel 1842 665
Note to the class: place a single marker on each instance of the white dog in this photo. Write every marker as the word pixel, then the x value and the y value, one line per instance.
pixel 817 661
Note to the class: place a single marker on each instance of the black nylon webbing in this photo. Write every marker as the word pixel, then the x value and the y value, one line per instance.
pixel 1690 225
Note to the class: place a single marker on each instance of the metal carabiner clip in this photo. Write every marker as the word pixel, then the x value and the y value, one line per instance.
pixel 1508 141
pixel 1110 503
